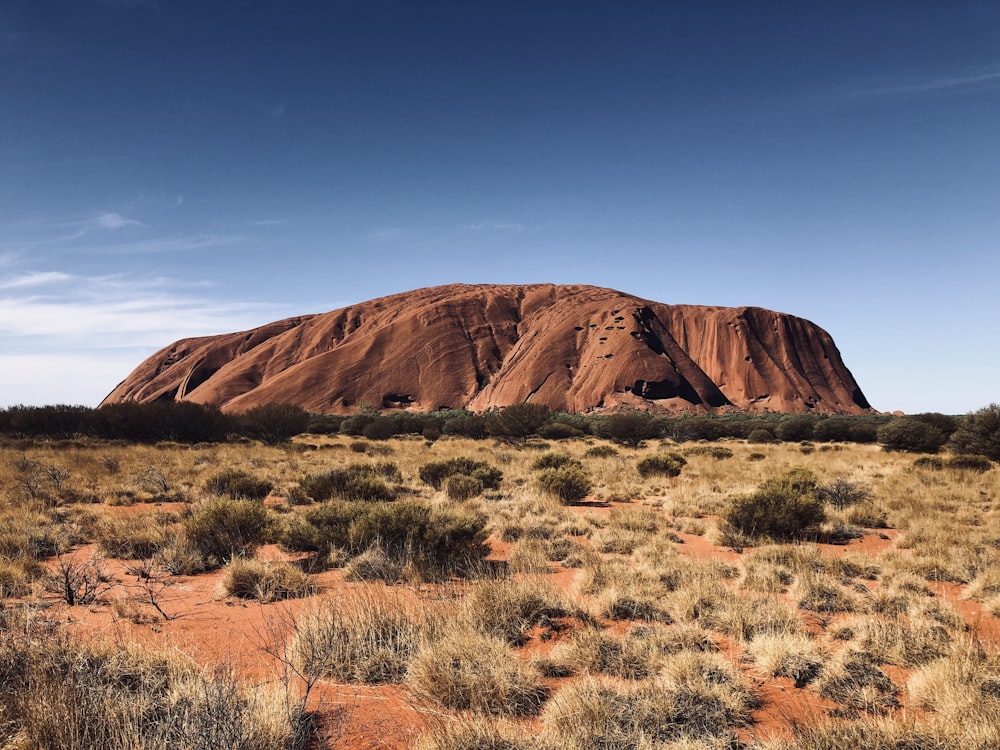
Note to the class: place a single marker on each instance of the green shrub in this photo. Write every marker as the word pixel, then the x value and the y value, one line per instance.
pixel 355 482
pixel 273 424
pixel 133 538
pixel 760 435
pixel 665 464
pixel 786 507
pixel 795 430
pixel 911 435
pixel 239 485
pixel 568 483
pixel 462 487
pixel 436 472
pixel 434 539
pixel 979 433
pixel 601 451
pixel 970 462
pixel 518 422
pixel 224 529
pixel 932 463
pixel 554 461
pixel 559 431
pixel 628 428
pixel 717 452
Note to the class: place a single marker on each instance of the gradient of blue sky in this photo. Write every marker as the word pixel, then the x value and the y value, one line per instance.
pixel 172 168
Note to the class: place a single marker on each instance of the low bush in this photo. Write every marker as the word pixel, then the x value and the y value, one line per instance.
pixel 462 487
pixel 600 451
pixel 969 462
pixel 131 538
pixel 554 461
pixel 854 681
pixel 628 428
pixel 364 482
pixel 239 485
pixel 979 433
pixel 717 452
pixel 786 507
pixel 568 483
pixel 436 472
pixel 911 435
pixel 665 464
pixel 436 540
pixel 559 431
pixel 224 529
pixel 761 435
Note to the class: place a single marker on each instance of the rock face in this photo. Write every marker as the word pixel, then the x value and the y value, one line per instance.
pixel 572 348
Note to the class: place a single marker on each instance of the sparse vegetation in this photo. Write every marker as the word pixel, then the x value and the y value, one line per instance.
pixel 477 604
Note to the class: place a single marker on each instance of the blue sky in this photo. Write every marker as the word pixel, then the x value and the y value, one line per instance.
pixel 171 168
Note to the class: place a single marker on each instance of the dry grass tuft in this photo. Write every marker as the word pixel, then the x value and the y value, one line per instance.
pixel 469 670
pixel 265 581
pixel 368 638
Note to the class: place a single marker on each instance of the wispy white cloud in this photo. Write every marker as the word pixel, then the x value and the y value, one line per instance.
pixel 153 245
pixel 268 222
pixel 114 220
pixel 975 81
pixel 100 327
pixel 34 279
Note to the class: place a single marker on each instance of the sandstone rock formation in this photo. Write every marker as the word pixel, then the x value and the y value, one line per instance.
pixel 572 348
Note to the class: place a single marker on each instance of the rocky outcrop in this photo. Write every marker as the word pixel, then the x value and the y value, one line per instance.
pixel 572 348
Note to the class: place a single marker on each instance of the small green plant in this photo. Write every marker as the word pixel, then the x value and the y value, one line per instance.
pixel 365 482
pixel 554 461
pixel 224 529
pixel 718 452
pixel 436 472
pixel 786 507
pixel 970 462
pixel 601 451
pixel 979 433
pixel 239 485
pixel 568 483
pixel 664 464
pixel 462 487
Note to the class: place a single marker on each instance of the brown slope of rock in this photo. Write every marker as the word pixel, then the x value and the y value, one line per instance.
pixel 572 348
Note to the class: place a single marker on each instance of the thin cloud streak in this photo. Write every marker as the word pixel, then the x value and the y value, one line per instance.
pixel 936 85
pixel 184 243
pixel 116 311
pixel 35 278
